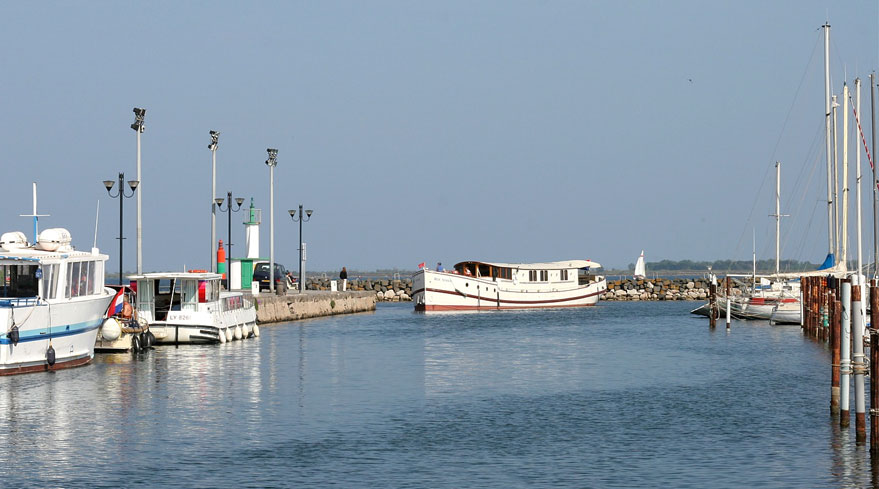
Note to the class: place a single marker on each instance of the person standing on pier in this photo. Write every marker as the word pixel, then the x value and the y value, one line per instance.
pixel 344 276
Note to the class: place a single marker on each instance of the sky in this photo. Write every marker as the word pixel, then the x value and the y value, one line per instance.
pixel 513 131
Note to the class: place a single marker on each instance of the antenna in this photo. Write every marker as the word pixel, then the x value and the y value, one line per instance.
pixel 97 213
pixel 35 215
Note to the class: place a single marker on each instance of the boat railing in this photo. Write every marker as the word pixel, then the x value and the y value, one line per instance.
pixel 19 302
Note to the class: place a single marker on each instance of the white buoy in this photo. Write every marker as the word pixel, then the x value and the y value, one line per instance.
pixel 238 332
pixel 222 335
pixel 255 331
pixel 110 330
pixel 229 335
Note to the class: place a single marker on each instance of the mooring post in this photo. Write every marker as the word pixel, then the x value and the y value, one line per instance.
pixel 728 305
pixel 712 305
pixel 874 379
pixel 859 366
pixel 816 307
pixel 802 302
pixel 842 355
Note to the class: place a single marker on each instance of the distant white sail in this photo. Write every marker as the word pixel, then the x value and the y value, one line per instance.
pixel 640 270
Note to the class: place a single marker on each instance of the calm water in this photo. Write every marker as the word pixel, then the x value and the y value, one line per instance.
pixel 620 395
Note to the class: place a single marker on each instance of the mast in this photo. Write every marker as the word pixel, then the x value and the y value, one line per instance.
pixel 858 175
pixel 35 215
pixel 778 215
pixel 827 148
pixel 843 255
pixel 875 181
pixel 835 106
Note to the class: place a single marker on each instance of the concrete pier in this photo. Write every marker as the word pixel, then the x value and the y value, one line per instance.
pixel 310 304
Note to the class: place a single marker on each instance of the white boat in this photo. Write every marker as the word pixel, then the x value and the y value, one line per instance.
pixel 52 302
pixel 476 285
pixel 787 313
pixel 189 307
pixel 640 269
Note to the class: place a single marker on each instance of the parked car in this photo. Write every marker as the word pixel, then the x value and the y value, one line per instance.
pixel 261 274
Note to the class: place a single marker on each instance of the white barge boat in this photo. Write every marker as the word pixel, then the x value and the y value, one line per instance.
pixel 52 302
pixel 477 285
pixel 189 307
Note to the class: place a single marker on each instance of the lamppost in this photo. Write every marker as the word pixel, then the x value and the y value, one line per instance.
pixel 272 162
pixel 302 218
pixel 229 210
pixel 121 195
pixel 215 136
pixel 138 128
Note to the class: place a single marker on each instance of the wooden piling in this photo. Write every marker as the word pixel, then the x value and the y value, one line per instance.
pixel 712 305
pixel 835 336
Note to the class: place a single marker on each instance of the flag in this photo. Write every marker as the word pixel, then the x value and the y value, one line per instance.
pixel 116 304
pixel 421 265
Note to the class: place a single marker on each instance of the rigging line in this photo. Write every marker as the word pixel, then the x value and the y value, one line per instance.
pixel 861 131
pixel 749 221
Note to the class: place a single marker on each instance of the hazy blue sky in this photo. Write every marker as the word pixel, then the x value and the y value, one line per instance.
pixel 426 131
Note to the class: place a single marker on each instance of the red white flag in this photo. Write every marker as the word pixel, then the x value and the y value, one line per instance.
pixel 421 265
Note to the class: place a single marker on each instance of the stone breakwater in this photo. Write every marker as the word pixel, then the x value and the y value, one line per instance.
pixel 659 289
pixel 388 290
pixel 276 308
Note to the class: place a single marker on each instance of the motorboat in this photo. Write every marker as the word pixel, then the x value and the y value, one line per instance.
pixel 190 307
pixel 478 285
pixel 120 334
pixel 52 302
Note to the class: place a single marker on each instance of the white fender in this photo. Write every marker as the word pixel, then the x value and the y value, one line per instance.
pixel 237 332
pixel 255 331
pixel 111 330
pixel 229 335
pixel 222 335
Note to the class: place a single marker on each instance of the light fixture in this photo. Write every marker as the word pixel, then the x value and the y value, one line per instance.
pixel 239 200
pixel 138 119
pixel 215 140
pixel 219 200
pixel 308 212
pixel 109 184
pixel 273 156
pixel 131 183
pixel 292 212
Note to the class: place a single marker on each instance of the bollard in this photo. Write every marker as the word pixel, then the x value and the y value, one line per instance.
pixel 727 312
pixel 842 354
pixel 859 366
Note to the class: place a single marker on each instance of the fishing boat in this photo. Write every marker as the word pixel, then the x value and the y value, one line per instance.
pixel 190 307
pixel 52 302
pixel 478 285
pixel 640 269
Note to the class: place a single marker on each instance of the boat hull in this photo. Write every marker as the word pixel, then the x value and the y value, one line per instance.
pixel 70 327
pixel 439 291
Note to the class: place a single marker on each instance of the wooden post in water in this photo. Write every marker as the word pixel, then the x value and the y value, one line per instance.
pixel 842 353
pixel 874 380
pixel 858 364
pixel 712 305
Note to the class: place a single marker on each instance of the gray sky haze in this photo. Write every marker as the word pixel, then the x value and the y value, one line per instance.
pixel 432 131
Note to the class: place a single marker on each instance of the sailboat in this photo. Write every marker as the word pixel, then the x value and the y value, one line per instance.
pixel 640 270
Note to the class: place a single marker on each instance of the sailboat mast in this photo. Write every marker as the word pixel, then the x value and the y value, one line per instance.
pixel 858 174
pixel 843 255
pixel 834 107
pixel 777 214
pixel 830 226
pixel 875 181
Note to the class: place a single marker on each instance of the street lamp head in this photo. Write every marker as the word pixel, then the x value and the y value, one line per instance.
pixel 239 201
pixel 292 213
pixel 215 140
pixel 219 200
pixel 109 184
pixel 138 119
pixel 308 212
pixel 273 155
pixel 133 184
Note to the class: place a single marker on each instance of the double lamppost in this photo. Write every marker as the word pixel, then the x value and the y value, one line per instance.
pixel 303 217
pixel 120 193
pixel 229 210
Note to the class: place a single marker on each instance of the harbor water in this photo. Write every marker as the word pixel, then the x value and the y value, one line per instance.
pixel 625 394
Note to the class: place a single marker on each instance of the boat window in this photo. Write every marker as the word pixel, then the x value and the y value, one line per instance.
pixel 484 271
pixel 76 281
pixel 18 280
pixel 97 277
pixel 190 295
pixel 144 296
pixel 544 276
pixel 50 281
pixel 505 273
pixel 532 275
pixel 564 275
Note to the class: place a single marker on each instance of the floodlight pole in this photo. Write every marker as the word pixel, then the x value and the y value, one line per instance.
pixel 272 162
pixel 213 147
pixel 139 127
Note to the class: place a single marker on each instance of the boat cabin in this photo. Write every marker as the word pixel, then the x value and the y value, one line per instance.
pixel 160 293
pixel 565 272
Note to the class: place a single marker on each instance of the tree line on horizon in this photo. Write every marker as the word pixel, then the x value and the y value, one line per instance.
pixel 763 266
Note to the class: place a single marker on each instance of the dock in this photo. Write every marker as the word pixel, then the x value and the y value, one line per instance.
pixel 310 304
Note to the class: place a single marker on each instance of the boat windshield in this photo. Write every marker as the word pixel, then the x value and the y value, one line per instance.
pixel 18 281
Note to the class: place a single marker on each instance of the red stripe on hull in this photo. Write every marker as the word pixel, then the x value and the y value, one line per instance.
pixel 77 362
pixel 423 308
pixel 547 302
